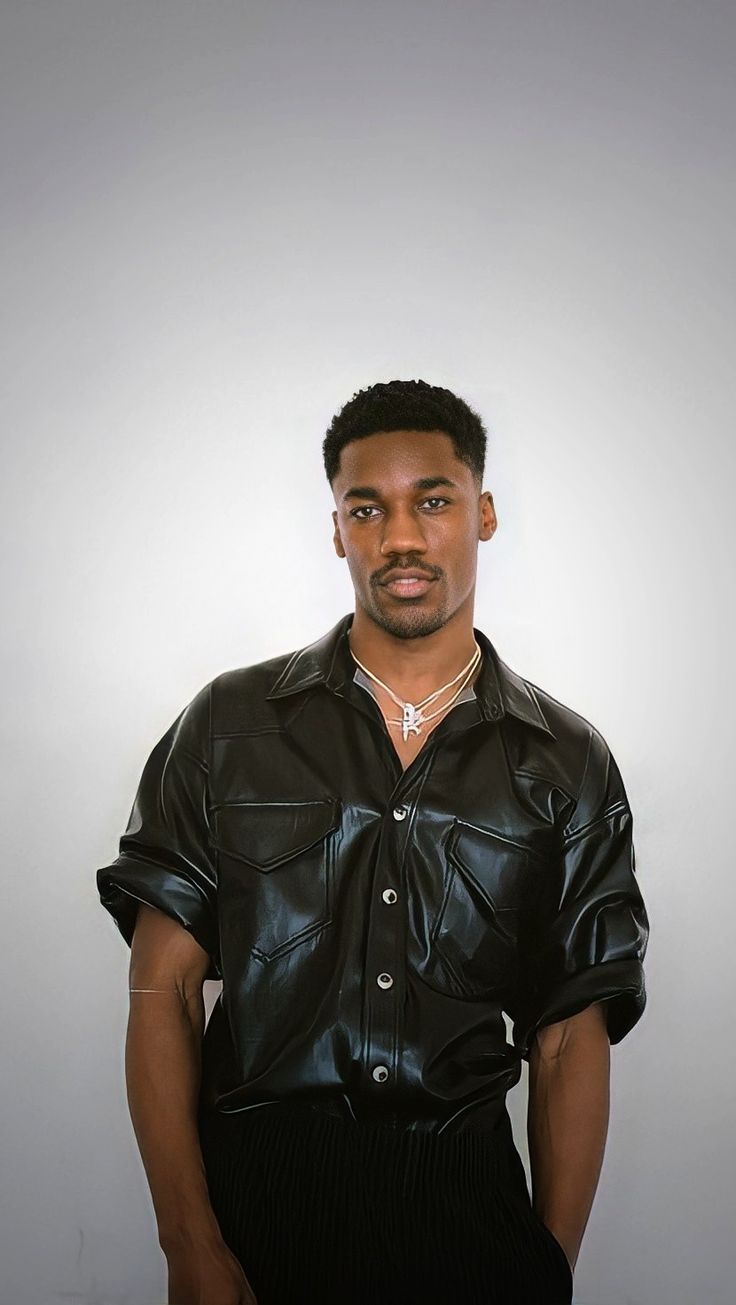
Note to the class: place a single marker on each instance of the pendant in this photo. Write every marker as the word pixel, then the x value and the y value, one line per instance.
pixel 412 720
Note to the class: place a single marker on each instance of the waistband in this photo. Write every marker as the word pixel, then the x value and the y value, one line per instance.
pixel 294 1128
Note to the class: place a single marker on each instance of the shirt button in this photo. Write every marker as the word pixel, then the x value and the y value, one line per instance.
pixel 384 981
pixel 400 813
pixel 380 1073
pixel 389 895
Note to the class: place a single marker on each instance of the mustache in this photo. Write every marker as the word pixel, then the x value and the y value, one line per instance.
pixel 429 573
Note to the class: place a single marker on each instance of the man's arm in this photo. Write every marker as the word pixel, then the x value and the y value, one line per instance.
pixel 163 1073
pixel 567 1121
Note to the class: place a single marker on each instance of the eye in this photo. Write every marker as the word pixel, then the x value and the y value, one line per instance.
pixel 369 507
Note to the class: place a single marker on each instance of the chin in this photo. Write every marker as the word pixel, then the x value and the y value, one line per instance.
pixel 414 620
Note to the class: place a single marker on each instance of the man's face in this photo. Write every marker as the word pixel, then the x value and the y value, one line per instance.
pixel 407 505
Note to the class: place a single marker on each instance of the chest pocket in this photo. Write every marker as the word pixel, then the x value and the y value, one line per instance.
pixel 276 864
pixel 488 882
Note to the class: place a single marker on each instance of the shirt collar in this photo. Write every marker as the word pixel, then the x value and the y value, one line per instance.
pixel 498 689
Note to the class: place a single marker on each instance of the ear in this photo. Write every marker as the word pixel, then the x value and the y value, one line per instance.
pixel 488 521
pixel 337 541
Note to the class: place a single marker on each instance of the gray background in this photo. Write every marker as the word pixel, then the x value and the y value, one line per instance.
pixel 219 221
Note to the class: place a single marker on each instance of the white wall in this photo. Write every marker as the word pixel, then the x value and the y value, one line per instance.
pixel 220 220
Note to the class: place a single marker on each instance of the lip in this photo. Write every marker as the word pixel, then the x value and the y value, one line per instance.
pixel 412 586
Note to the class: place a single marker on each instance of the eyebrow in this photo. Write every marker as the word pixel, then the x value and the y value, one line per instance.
pixel 426 482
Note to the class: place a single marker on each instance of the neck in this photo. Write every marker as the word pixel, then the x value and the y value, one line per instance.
pixel 413 667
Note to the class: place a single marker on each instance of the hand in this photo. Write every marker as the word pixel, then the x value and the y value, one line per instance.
pixel 564 1248
pixel 207 1275
pixel 561 1244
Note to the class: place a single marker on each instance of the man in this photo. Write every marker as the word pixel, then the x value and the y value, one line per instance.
pixel 381 843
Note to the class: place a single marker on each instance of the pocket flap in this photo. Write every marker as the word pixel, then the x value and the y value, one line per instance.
pixel 265 834
pixel 499 869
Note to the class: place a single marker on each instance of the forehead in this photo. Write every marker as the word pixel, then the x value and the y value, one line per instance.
pixel 392 457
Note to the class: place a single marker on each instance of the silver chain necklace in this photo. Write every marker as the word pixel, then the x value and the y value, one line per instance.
pixel 413 713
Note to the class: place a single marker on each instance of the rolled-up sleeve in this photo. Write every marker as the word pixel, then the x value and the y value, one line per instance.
pixel 587 935
pixel 165 854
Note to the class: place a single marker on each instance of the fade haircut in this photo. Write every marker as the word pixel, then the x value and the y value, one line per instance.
pixel 407 405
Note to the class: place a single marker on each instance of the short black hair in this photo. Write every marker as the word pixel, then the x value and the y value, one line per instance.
pixel 407 405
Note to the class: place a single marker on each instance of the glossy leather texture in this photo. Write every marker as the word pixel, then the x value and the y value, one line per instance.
pixel 371 923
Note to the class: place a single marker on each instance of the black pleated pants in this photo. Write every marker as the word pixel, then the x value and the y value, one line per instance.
pixel 321 1210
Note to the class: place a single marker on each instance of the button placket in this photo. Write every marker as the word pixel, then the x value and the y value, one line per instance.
pixel 383 942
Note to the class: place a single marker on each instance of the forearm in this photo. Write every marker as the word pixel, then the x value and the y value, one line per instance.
pixel 567 1127
pixel 163 1072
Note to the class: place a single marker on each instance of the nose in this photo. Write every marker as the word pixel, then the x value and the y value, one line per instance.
pixel 402 533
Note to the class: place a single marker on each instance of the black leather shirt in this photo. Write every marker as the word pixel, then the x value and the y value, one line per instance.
pixel 371 924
